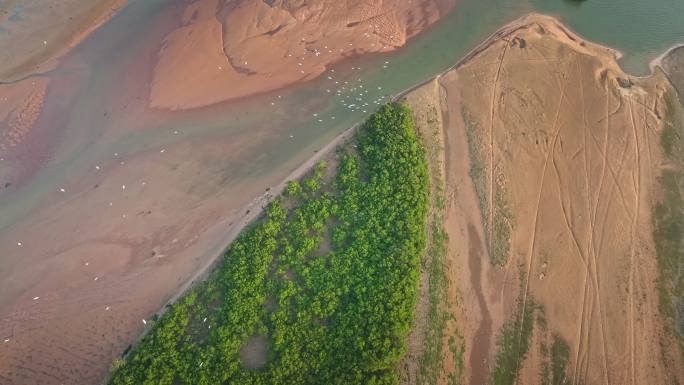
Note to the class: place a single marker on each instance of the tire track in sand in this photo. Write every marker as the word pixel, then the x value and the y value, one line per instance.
pixel 637 187
pixel 580 348
pixel 530 257
pixel 592 228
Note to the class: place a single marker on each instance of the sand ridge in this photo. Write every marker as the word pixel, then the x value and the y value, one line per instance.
pixel 216 56
pixel 564 155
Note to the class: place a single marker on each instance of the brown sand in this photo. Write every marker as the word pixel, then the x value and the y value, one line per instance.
pixel 228 50
pixel 574 157
pixel 63 24
pixel 585 227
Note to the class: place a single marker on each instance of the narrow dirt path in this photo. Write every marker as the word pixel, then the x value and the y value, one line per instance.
pixel 592 230
pixel 555 128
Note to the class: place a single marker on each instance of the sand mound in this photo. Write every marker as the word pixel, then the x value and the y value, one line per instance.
pixel 228 50
pixel 559 187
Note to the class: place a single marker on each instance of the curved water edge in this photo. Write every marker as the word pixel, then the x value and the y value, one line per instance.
pixel 514 25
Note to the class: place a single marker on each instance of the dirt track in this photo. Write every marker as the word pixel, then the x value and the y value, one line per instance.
pixel 559 182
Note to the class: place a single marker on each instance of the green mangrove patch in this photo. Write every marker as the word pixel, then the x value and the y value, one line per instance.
pixel 322 290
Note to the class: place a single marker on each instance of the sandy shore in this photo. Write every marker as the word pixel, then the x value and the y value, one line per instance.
pixel 501 33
